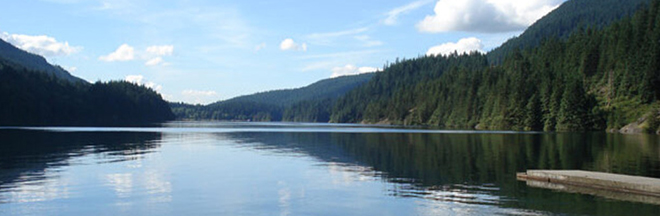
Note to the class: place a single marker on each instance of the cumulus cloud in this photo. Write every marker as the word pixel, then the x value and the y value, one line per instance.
pixel 165 50
pixel 485 15
pixel 155 54
pixel 139 80
pixel 123 53
pixel 393 15
pixel 289 44
pixel 462 46
pixel 350 69
pixel 40 44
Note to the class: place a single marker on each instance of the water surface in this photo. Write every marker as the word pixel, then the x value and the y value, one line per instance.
pixel 212 168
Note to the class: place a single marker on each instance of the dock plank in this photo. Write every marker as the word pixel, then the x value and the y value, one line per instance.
pixel 609 181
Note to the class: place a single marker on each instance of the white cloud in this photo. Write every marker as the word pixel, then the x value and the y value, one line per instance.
pixel 350 69
pixel 289 44
pixel 139 80
pixel 393 15
pixel 40 44
pixel 123 53
pixel 70 69
pixel 199 97
pixel 165 50
pixel 485 15
pixel 155 61
pixel 462 46
pixel 155 54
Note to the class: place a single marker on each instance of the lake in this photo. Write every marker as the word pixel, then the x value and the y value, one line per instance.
pixel 222 168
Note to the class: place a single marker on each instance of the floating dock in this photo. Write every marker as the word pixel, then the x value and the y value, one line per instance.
pixel 582 181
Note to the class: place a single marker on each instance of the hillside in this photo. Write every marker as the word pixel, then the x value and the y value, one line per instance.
pixel 33 97
pixel 588 65
pixel 597 78
pixel 327 88
pixel 10 55
pixel 570 17
pixel 270 106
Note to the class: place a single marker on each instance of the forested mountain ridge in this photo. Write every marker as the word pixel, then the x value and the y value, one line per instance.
pixel 18 58
pixel 271 105
pixel 33 97
pixel 327 88
pixel 594 79
pixel 571 16
pixel 588 65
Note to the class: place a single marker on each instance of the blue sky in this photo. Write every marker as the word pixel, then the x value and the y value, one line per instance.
pixel 202 51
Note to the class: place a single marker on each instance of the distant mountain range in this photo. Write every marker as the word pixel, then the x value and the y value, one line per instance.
pixel 327 88
pixel 270 105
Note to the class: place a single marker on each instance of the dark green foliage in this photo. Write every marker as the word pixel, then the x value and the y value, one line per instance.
pixel 591 80
pixel 570 17
pixel 234 110
pixel 309 111
pixel 36 98
pixel 327 88
pixel 310 103
pixel 390 95
pixel 579 68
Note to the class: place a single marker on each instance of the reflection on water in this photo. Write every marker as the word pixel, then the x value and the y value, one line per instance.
pixel 477 168
pixel 31 161
pixel 293 169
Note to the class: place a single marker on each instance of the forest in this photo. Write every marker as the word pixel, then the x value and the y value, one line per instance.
pixel 35 98
pixel 588 65
pixel 311 103
pixel 597 78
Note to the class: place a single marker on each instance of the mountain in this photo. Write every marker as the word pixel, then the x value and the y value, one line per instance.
pixel 10 55
pixel 571 16
pixel 327 88
pixel 594 79
pixel 588 65
pixel 270 106
pixel 35 93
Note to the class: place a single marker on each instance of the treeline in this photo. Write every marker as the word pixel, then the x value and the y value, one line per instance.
pixel 585 66
pixel 311 103
pixel 230 111
pixel 35 98
pixel 593 80
pixel 327 88
pixel 562 22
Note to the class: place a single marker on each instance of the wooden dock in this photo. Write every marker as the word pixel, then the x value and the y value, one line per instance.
pixel 582 181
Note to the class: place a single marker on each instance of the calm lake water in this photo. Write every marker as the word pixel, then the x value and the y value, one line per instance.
pixel 211 168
